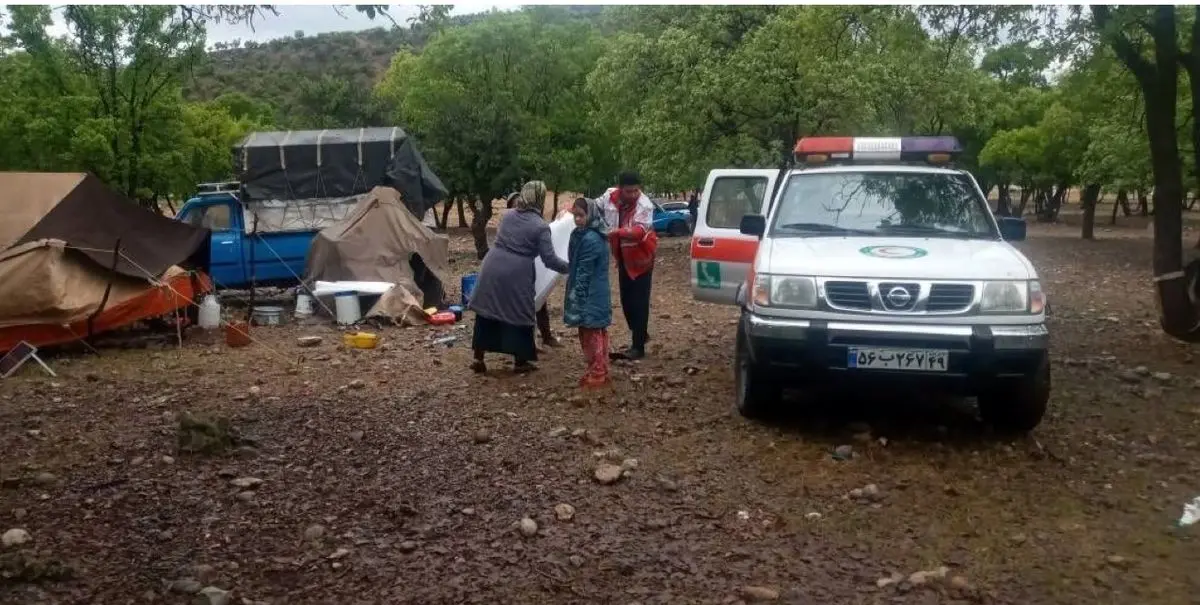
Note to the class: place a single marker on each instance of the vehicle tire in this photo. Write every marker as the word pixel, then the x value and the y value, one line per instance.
pixel 678 228
pixel 756 393
pixel 1018 406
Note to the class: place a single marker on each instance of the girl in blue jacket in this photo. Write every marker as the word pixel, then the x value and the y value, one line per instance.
pixel 588 302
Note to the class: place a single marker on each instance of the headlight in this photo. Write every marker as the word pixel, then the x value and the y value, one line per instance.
pixel 785 291
pixel 1012 297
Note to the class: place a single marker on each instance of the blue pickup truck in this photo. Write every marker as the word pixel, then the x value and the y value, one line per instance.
pixel 238 258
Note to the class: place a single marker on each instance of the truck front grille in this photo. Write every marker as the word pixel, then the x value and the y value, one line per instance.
pixel 947 298
pixel 848 295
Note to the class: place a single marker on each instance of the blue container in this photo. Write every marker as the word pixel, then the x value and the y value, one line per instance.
pixel 468 287
pixel 457 310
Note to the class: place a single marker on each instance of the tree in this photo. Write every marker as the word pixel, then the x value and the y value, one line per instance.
pixel 490 102
pixel 1145 40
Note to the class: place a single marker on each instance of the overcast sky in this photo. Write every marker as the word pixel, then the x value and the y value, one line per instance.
pixel 314 20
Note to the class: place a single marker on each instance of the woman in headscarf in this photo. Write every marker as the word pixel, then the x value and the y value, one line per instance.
pixel 543 314
pixel 588 302
pixel 503 296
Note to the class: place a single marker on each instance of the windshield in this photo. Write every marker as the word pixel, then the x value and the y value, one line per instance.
pixel 925 204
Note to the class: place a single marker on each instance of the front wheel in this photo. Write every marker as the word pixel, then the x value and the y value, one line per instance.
pixel 1018 406
pixel 757 393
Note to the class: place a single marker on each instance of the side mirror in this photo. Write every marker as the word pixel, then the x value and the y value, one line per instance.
pixel 1012 228
pixel 754 224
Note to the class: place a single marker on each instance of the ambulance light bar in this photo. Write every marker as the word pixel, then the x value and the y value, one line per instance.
pixel 934 150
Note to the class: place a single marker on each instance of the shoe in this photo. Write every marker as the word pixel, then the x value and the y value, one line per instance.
pixel 630 354
pixel 553 342
pixel 524 368
pixel 478 367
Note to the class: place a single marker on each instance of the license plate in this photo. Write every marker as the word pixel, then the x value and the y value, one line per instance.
pixel 911 360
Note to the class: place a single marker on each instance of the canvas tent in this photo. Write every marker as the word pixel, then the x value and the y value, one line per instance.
pixel 278 167
pixel 60 276
pixel 382 241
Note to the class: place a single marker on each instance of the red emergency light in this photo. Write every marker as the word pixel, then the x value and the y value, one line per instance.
pixel 818 150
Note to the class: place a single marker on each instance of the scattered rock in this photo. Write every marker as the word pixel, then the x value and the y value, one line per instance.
pixel 564 512
pixel 357 384
pixel 575 560
pixel 15 537
pixel 1018 539
pixel 960 583
pixel 843 452
pixel 607 474
pixel 1129 376
pixel 629 464
pixel 185 586
pixel 482 436
pixel 339 553
pixel 1163 376
pixel 528 526
pixel 917 578
pixel 212 595
pixel 1118 561
pixel 357 435
pixel 759 593
pixel 1142 371
pixel 168 460
pixel 675 381
pixel 246 482
pixel 19 513
pixel 44 478
pixel 895 578
pixel 559 431
pixel 245 496
pixel 578 432
pixel 308 341
pixel 407 546
pixel 314 532
pixel 255 392
pixel 813 516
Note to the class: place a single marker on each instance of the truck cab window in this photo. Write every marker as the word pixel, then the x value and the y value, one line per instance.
pixel 216 217
pixel 732 197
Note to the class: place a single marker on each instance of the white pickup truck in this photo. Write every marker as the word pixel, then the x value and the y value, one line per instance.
pixel 874 260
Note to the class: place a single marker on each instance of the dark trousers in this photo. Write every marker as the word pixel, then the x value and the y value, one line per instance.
pixel 635 303
pixel 543 323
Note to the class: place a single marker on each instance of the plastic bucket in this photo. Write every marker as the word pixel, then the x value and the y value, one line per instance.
pixel 468 287
pixel 304 306
pixel 347 308
pixel 237 333
pixel 267 316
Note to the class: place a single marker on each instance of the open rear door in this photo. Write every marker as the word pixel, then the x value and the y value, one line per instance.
pixel 721 255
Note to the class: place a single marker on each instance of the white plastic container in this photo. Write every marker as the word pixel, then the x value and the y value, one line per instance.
pixel 304 306
pixel 267 316
pixel 347 308
pixel 210 313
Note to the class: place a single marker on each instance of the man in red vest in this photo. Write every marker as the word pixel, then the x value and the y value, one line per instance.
pixel 630 217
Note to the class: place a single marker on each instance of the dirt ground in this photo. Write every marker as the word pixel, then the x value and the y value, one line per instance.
pixel 397 476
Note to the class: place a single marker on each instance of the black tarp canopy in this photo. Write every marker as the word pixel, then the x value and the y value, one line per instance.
pixel 323 164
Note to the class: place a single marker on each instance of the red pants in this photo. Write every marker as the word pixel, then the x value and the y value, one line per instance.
pixel 595 351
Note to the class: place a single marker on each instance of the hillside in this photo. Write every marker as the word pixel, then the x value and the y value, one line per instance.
pixel 321 81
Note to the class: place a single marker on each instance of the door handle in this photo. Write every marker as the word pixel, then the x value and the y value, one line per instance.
pixel 706 242
pixel 226 243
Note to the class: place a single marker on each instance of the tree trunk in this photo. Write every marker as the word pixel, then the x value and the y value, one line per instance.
pixel 1122 202
pixel 1004 203
pixel 443 218
pixel 462 217
pixel 1089 198
pixel 1026 192
pixel 555 213
pixel 481 213
pixel 1158 80
pixel 1143 203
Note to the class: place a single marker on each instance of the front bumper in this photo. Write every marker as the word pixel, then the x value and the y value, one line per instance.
pixel 977 355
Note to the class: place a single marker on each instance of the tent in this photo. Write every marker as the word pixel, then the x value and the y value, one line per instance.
pixel 276 167
pixel 382 241
pixel 76 258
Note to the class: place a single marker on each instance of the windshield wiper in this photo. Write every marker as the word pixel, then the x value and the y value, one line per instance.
pixel 825 228
pixel 930 230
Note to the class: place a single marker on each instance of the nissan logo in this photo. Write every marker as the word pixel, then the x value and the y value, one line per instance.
pixel 899 297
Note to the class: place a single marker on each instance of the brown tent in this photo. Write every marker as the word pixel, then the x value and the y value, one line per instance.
pixel 382 241
pixel 58 267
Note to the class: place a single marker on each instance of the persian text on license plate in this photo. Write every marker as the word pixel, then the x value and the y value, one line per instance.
pixel 914 360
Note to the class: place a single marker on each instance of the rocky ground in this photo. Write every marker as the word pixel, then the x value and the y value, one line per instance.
pixel 397 476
